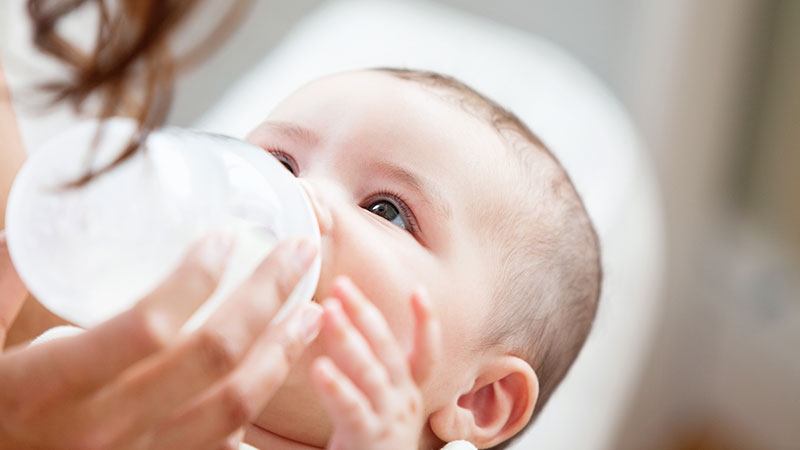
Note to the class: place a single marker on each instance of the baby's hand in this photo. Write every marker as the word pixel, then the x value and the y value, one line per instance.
pixel 367 383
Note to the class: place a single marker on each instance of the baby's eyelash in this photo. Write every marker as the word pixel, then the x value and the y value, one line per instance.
pixel 402 205
pixel 284 158
pixel 386 194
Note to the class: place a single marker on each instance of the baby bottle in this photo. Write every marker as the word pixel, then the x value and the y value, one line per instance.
pixel 90 252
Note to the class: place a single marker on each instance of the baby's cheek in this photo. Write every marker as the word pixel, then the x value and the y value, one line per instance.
pixel 462 315
pixel 448 380
pixel 384 273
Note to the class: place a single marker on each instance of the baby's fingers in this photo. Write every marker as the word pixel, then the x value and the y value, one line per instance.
pixel 353 356
pixel 373 327
pixel 427 337
pixel 347 406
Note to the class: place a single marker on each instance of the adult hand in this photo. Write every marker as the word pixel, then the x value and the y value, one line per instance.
pixel 134 382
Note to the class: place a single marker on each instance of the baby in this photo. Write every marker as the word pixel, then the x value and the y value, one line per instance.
pixel 419 180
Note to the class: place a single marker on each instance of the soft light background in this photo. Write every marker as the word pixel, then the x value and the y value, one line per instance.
pixel 713 88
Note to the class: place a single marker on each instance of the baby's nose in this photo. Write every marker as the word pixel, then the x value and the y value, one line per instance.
pixel 320 207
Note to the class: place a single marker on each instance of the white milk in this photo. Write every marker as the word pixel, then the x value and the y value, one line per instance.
pixel 91 252
pixel 251 246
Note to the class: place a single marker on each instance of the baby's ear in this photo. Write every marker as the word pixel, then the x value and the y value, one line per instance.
pixel 499 404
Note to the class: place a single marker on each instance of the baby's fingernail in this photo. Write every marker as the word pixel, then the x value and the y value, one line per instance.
pixel 2 237
pixel 345 284
pixel 422 296
pixel 310 322
pixel 325 367
pixel 214 251
pixel 304 254
pixel 332 305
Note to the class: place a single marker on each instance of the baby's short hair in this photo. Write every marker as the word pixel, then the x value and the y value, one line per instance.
pixel 549 285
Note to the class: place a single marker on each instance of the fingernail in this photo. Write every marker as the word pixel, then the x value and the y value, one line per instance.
pixel 2 237
pixel 333 305
pixel 422 296
pixel 304 253
pixel 344 284
pixel 310 322
pixel 214 251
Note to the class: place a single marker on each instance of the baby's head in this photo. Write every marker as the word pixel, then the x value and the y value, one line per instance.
pixel 419 180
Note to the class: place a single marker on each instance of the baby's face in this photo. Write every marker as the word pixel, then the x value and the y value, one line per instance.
pixel 403 183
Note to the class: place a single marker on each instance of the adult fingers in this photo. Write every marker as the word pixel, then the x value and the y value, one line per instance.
pixel 12 291
pixel 218 347
pixel 238 398
pixel 373 327
pixel 427 337
pixel 93 358
pixel 251 307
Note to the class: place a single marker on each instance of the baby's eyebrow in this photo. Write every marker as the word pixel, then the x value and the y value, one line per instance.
pixel 292 131
pixel 424 188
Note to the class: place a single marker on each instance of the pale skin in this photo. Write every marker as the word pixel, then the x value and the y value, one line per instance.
pixel 360 142
pixel 365 381
pixel 171 398
pixel 348 149
pixel 157 389
pixel 133 382
pixel 166 391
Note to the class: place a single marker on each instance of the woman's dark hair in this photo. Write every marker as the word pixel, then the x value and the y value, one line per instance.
pixel 131 68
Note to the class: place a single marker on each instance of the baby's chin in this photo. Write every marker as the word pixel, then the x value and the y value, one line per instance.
pixel 295 411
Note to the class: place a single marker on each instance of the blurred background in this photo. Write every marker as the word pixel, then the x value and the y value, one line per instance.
pixel 713 89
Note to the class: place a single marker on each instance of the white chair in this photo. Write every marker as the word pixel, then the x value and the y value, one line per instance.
pixel 574 114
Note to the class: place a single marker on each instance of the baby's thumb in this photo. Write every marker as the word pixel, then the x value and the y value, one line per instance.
pixel 12 291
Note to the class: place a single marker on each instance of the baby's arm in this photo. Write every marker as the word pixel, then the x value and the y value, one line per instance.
pixel 368 384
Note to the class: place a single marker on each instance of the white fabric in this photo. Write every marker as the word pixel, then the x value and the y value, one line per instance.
pixel 574 114
pixel 459 445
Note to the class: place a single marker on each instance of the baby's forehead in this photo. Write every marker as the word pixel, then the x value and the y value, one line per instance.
pixel 408 124
pixel 377 94
pixel 400 121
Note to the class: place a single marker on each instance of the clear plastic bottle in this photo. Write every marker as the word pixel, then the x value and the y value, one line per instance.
pixel 90 252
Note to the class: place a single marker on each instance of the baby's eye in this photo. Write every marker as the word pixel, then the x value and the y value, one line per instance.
pixel 392 207
pixel 285 159
pixel 388 211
